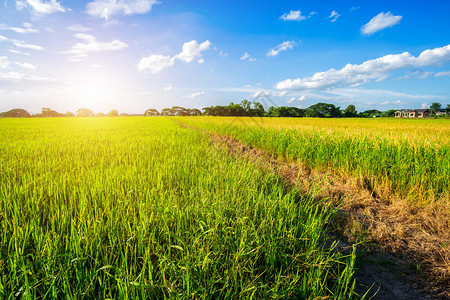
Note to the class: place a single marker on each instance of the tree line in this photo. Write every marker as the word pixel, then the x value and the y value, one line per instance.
pixel 244 109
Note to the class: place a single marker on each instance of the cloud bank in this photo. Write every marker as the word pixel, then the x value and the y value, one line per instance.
pixel 375 69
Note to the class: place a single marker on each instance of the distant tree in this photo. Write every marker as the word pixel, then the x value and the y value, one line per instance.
pixel 273 112
pixel 447 110
pixel 100 114
pixel 246 105
pixel 179 111
pixel 69 114
pixel 435 107
pixel 16 113
pixel 323 110
pixel 369 113
pixel 258 109
pixel 167 112
pixel 151 112
pixel 49 113
pixel 84 112
pixel 194 112
pixel 390 113
pixel 113 113
pixel 350 111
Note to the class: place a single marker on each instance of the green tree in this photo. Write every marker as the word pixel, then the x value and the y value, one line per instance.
pixel 323 110
pixel 151 112
pixel 390 113
pixel 246 105
pixel 258 109
pixel 16 113
pixel 49 113
pixel 369 113
pixel 84 112
pixel 113 113
pixel 194 112
pixel 435 107
pixel 69 114
pixel 167 112
pixel 350 111
pixel 179 111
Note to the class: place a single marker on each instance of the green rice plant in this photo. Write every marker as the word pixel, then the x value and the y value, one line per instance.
pixel 143 208
pixel 412 155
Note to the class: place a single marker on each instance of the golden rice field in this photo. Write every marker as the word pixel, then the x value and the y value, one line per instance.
pixel 412 155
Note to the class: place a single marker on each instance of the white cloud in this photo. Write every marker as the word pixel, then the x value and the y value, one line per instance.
pixel 195 95
pixel 4 62
pixel 81 50
pixel 425 105
pixel 41 7
pixel 440 74
pixel 18 52
pixel 107 8
pixel 380 22
pixel 281 47
pixel 298 99
pixel 353 75
pixel 168 88
pixel 417 74
pixel 384 103
pixel 246 56
pixel 295 15
pixel 27 28
pixel 78 28
pixel 20 44
pixel 334 16
pixel 26 65
pixel 156 63
pixel 190 52
pixel 19 77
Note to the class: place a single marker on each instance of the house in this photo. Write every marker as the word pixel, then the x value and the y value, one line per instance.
pixel 419 113
pixel 441 113
pixel 402 113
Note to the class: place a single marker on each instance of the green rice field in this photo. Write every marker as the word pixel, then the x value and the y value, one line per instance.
pixel 411 156
pixel 97 208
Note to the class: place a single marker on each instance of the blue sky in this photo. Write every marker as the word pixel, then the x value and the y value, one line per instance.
pixel 132 55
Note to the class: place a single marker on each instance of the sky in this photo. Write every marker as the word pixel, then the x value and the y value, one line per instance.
pixel 132 55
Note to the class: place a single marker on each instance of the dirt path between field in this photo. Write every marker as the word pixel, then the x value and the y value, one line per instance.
pixel 406 249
